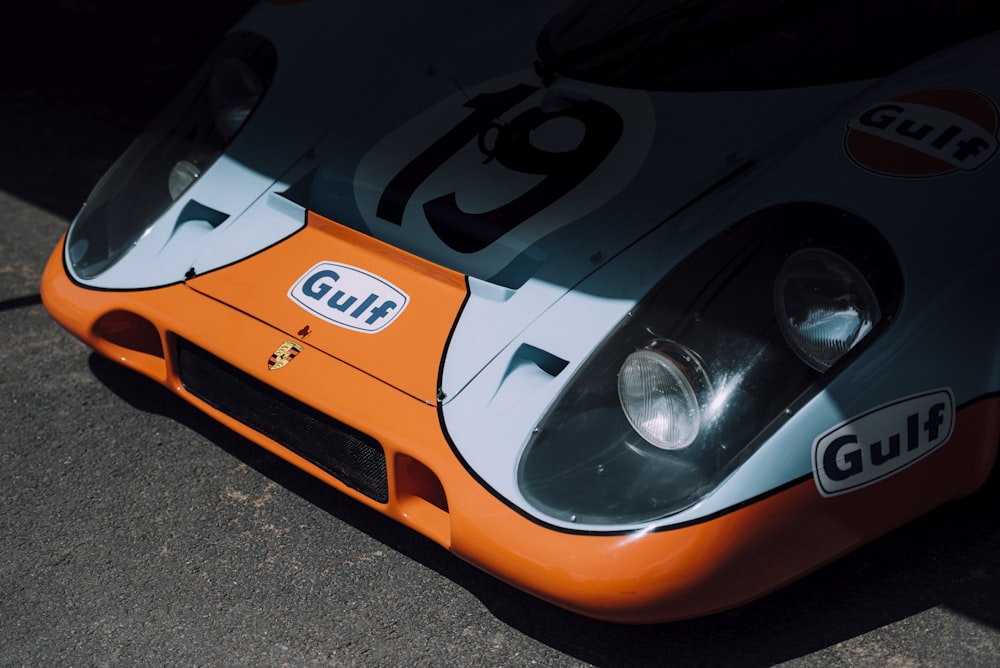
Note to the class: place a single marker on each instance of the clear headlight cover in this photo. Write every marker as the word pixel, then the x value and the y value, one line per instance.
pixel 190 134
pixel 697 377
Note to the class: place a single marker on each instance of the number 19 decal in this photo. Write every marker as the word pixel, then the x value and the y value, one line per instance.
pixel 507 155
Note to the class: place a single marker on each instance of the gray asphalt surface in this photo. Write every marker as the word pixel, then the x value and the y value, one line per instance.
pixel 134 531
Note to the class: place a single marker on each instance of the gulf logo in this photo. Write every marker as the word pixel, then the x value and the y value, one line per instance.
pixel 925 133
pixel 349 297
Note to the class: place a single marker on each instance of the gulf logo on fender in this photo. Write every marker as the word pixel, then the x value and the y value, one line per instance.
pixel 924 133
pixel 881 442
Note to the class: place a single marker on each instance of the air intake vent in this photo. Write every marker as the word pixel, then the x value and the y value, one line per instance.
pixel 349 455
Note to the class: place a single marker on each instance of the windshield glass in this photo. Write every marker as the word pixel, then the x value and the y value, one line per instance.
pixel 733 44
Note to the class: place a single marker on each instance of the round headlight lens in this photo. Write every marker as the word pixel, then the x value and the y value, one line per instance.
pixel 824 306
pixel 182 175
pixel 658 398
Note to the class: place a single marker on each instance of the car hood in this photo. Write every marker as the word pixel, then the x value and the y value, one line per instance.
pixel 476 165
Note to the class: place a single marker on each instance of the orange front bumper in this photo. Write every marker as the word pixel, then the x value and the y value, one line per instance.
pixel 650 576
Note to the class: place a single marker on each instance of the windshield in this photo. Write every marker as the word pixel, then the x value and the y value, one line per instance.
pixel 743 44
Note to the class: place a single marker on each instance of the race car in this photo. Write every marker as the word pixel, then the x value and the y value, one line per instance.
pixel 647 308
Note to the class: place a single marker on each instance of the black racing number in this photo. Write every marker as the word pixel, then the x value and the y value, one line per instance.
pixel 512 148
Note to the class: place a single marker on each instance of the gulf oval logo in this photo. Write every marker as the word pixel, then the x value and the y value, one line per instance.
pixel 924 133
pixel 349 297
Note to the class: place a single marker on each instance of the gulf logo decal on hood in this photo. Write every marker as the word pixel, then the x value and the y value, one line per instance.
pixel 360 300
pixel 924 133
pixel 377 308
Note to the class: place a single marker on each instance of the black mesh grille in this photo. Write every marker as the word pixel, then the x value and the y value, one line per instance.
pixel 354 458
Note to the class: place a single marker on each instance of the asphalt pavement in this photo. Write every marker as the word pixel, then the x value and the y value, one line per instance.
pixel 134 531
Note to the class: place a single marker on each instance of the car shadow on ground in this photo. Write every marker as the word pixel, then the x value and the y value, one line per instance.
pixel 942 560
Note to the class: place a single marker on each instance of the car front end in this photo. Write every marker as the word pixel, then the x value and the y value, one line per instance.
pixel 644 348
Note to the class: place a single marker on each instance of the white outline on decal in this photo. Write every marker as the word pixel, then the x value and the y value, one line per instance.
pixel 921 422
pixel 348 306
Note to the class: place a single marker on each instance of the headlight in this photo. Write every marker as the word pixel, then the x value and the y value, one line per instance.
pixel 181 144
pixel 824 306
pixel 234 91
pixel 706 366
pixel 182 175
pixel 657 389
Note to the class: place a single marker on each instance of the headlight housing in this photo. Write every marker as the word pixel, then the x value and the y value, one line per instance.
pixel 706 365
pixel 190 134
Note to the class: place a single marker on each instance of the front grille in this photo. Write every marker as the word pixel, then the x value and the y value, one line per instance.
pixel 349 455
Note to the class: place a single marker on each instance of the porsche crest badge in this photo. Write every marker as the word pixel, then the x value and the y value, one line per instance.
pixel 285 353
